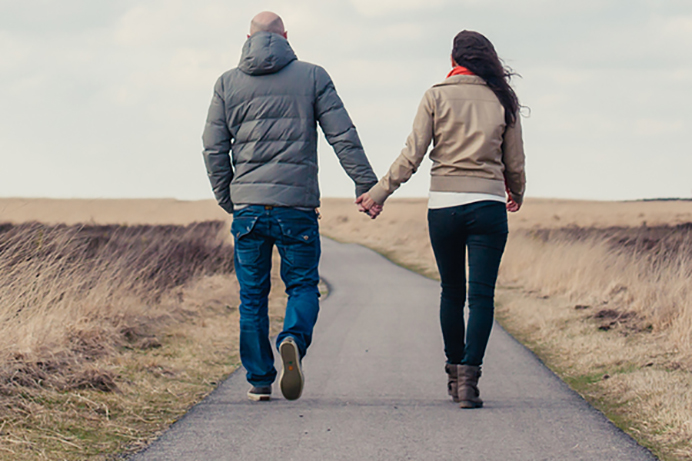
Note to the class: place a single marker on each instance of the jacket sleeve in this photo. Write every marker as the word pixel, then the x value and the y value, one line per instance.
pixel 341 134
pixel 513 160
pixel 217 145
pixel 412 154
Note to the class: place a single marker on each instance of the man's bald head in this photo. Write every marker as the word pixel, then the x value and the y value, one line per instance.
pixel 267 21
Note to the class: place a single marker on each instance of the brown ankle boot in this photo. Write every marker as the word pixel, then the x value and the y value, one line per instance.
pixel 452 381
pixel 468 393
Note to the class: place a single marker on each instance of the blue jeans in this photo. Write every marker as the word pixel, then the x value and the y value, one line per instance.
pixel 481 230
pixel 256 229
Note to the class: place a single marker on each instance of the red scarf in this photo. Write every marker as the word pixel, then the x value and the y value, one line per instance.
pixel 459 70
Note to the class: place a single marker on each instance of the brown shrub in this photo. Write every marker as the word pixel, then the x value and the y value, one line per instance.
pixel 656 243
pixel 72 294
pixel 93 378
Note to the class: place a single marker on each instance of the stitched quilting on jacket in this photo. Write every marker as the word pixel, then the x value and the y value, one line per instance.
pixel 260 138
pixel 473 149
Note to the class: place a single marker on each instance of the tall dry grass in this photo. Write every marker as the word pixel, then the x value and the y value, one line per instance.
pixel 71 294
pixel 109 333
pixel 640 276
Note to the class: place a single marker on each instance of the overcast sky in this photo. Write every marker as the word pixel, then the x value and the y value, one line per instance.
pixel 109 98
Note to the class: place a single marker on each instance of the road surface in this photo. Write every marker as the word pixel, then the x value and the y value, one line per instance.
pixel 376 389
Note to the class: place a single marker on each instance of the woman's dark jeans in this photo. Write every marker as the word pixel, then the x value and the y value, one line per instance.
pixel 480 227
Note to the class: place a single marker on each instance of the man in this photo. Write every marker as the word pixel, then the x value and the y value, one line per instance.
pixel 264 112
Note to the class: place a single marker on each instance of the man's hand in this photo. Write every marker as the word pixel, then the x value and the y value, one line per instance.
pixel 367 205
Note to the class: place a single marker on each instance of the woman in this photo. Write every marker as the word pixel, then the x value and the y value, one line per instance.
pixel 472 118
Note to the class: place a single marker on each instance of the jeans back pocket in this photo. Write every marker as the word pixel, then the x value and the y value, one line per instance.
pixel 300 241
pixel 247 249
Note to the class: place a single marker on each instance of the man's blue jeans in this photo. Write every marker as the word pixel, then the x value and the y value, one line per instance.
pixel 256 229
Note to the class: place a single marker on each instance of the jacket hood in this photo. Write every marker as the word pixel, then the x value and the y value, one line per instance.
pixel 265 53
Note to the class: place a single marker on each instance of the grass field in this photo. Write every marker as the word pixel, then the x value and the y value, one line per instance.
pixel 104 343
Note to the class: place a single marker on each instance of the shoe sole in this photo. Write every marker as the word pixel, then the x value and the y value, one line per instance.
pixel 258 397
pixel 469 404
pixel 291 380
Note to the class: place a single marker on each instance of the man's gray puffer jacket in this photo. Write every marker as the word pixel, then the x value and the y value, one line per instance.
pixel 265 112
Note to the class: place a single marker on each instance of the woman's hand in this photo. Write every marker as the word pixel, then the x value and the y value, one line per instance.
pixel 367 205
pixel 512 206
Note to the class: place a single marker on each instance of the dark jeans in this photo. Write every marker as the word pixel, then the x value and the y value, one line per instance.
pixel 256 229
pixel 480 228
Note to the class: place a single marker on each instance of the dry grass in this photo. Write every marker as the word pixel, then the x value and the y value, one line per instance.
pixel 73 293
pixel 627 374
pixel 109 333
pixel 154 383
pixel 601 291
pixel 611 317
pixel 638 277
pixel 554 213
pixel 109 211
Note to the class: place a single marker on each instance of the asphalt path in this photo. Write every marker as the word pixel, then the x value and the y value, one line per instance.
pixel 376 389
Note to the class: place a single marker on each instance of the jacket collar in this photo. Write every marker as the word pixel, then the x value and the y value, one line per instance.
pixel 462 79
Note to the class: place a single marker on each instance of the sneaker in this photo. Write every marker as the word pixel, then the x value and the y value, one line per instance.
pixel 291 379
pixel 260 393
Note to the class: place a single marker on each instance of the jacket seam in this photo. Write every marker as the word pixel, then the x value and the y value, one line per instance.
pixel 259 141
pixel 253 162
pixel 271 96
pixel 266 118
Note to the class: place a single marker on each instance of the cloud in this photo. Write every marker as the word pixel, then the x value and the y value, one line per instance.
pixel 653 127
pixel 109 98
pixel 384 7
pixel 678 27
pixel 13 53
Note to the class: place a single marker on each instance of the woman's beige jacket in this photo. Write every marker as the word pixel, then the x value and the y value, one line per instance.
pixel 473 149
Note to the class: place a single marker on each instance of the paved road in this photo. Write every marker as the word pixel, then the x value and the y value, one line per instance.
pixel 376 389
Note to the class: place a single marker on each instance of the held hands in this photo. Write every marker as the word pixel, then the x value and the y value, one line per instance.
pixel 367 205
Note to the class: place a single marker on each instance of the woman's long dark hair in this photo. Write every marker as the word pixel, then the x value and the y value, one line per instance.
pixel 475 52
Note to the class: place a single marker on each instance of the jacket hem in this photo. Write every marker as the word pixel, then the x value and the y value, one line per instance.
pixel 467 184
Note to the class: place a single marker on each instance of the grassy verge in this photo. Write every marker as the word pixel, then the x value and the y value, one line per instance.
pixel 609 310
pixel 110 333
pixel 150 389
pixel 622 373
